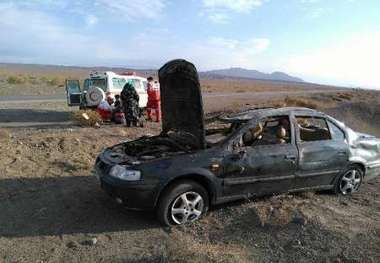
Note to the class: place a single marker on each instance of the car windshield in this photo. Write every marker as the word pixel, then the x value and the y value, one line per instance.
pixel 99 82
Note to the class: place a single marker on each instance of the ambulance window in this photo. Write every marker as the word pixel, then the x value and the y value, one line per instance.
pixel 118 83
pixel 137 84
pixel 95 82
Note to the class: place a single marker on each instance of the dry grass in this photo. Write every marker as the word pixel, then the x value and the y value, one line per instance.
pixel 292 102
pixel 274 104
pixel 53 80
pixel 29 80
pixel 300 102
pixel 247 85
pixel 281 210
pixel 15 80
pixel 86 118
pixel 345 96
pixel 183 247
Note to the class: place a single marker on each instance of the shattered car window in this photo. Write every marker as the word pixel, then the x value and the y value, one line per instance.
pixel 313 129
pixel 336 133
pixel 275 130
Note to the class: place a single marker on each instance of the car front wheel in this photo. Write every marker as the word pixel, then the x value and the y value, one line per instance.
pixel 350 181
pixel 182 203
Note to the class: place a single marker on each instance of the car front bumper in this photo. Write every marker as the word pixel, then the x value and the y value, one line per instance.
pixel 132 195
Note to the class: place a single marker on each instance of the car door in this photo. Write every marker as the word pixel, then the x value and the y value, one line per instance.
pixel 262 167
pixel 73 92
pixel 323 154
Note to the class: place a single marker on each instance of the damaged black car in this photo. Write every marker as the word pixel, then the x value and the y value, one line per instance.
pixel 196 163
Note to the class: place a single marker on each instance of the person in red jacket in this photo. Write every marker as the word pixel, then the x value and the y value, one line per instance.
pixel 154 105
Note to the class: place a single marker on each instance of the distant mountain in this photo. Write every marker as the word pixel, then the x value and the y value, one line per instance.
pixel 248 74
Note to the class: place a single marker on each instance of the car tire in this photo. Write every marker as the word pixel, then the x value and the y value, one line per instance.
pixel 349 181
pixel 173 209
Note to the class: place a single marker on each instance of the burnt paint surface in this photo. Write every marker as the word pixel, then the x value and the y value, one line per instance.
pixel 261 170
pixel 181 100
pixel 320 162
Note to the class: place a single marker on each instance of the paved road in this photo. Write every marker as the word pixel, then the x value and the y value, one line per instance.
pixel 36 124
pixel 32 98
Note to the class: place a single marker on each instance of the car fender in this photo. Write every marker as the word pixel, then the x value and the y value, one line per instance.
pixel 358 160
pixel 197 174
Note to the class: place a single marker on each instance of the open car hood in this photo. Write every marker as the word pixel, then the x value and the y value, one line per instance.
pixel 181 100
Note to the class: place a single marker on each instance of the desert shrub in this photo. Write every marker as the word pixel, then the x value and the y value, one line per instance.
pixel 275 104
pixel 183 247
pixel 86 118
pixel 32 79
pixel 44 80
pixel 206 88
pixel 15 80
pixel 55 81
pixel 300 102
pixel 345 96
pixel 336 98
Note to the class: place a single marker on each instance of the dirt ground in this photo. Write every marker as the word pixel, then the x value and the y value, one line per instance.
pixel 53 210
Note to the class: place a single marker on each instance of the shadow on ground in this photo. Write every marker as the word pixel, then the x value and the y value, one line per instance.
pixel 63 205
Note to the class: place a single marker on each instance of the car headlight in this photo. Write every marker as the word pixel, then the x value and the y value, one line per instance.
pixel 121 172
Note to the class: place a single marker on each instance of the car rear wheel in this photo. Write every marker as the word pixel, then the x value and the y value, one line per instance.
pixel 182 203
pixel 350 181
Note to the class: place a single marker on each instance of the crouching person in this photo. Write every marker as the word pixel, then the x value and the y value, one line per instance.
pixel 118 114
pixel 130 102
pixel 105 109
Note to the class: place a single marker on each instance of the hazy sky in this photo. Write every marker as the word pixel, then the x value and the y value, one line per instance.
pixel 336 42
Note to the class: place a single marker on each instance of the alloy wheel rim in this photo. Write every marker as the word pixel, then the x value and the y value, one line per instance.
pixel 187 207
pixel 350 182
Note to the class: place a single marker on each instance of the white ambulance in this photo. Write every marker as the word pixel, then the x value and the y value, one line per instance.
pixel 100 85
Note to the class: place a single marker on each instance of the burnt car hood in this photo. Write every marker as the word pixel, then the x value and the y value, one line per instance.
pixel 181 101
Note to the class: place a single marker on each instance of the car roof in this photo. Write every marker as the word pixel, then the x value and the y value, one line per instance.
pixel 266 112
